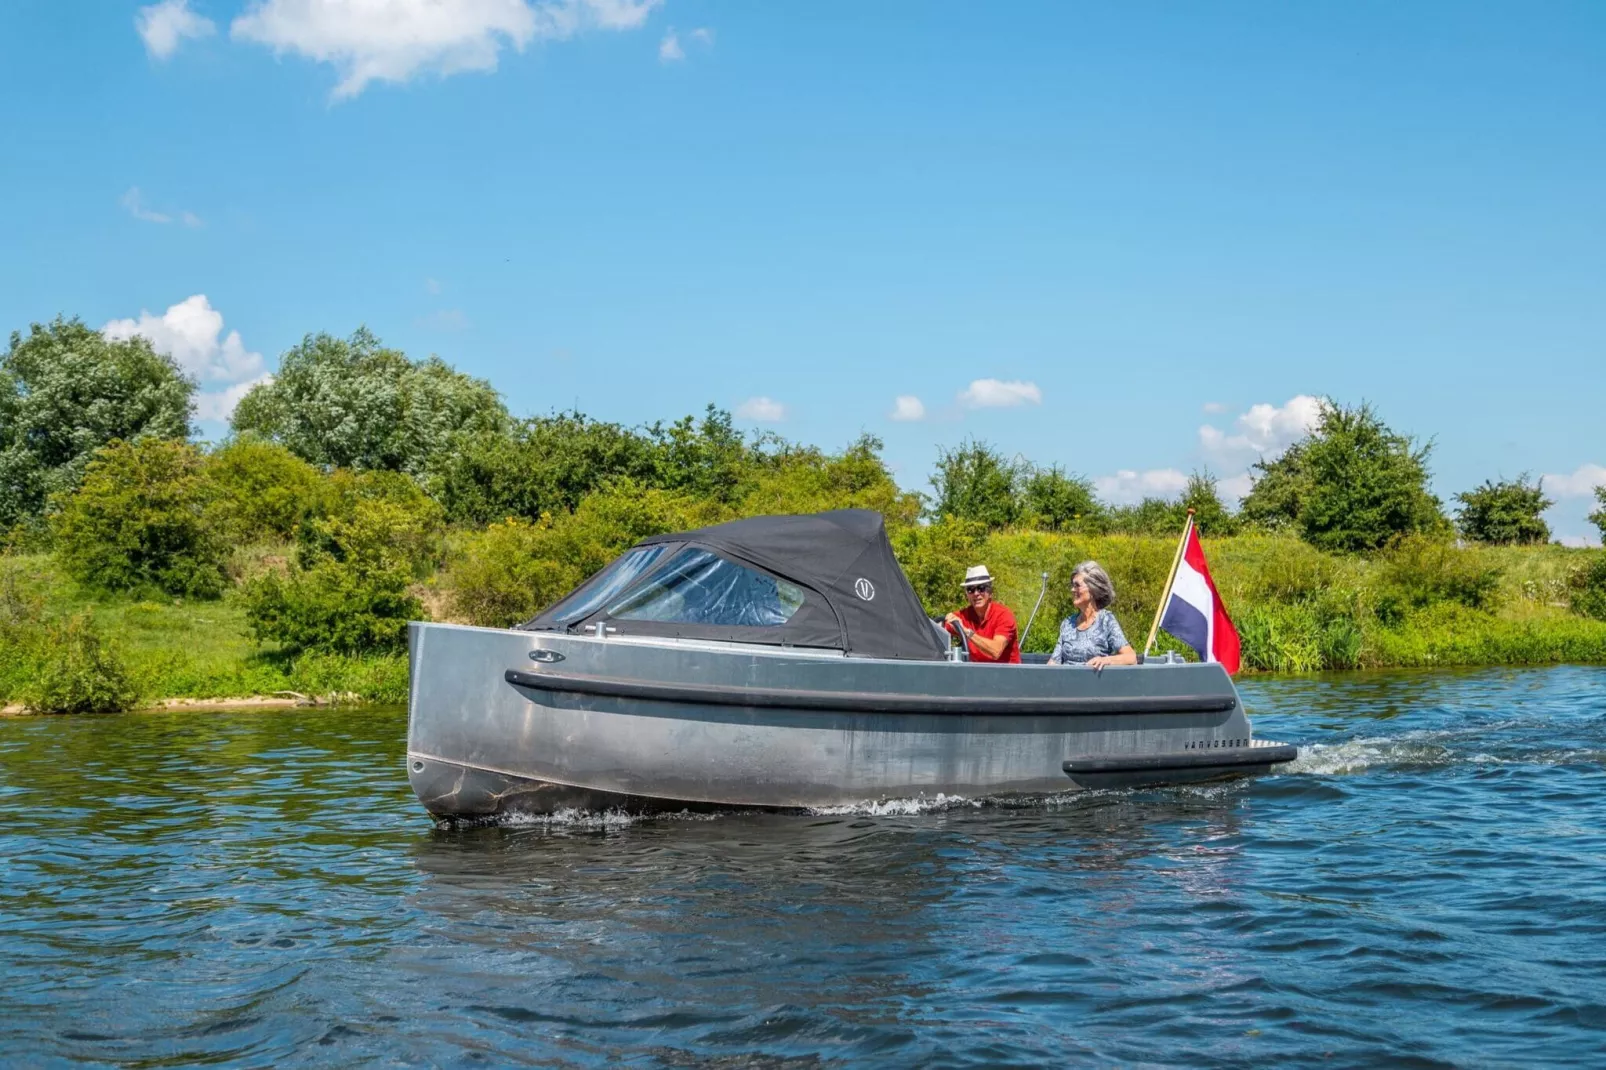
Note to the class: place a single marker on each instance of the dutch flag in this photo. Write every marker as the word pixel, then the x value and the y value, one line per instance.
pixel 1194 613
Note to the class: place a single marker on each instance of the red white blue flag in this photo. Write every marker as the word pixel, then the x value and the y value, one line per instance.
pixel 1194 612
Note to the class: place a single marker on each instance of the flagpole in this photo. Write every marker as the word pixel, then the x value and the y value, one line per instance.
pixel 1159 610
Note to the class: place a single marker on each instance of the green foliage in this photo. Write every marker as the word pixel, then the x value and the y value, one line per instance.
pixel 1419 571
pixel 1589 589
pixel 334 608
pixel 66 391
pixel 975 482
pixel 1302 637
pixel 501 575
pixel 935 557
pixel 79 672
pixel 1210 514
pixel 544 465
pixel 353 403
pixel 371 536
pixel 1276 500
pixel 701 458
pixel 136 521
pixel 1598 517
pixel 1051 500
pixel 258 489
pixel 1506 512
pixel 1352 485
pixel 792 479
pixel 1151 516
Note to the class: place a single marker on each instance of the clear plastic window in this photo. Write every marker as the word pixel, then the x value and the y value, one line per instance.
pixel 699 587
pixel 608 583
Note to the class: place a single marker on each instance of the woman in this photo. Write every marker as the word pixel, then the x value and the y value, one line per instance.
pixel 1093 636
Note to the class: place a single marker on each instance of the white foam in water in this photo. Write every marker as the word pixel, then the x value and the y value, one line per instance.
pixel 896 807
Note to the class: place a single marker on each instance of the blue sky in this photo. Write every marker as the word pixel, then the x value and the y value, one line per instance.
pixel 1132 239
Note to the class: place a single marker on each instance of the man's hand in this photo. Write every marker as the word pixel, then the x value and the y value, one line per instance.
pixel 953 619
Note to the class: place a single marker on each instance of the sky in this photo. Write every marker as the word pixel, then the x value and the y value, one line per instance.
pixel 1131 239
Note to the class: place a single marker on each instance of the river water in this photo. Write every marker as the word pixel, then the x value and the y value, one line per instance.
pixel 1427 886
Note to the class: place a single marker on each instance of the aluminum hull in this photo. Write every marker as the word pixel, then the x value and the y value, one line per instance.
pixel 504 721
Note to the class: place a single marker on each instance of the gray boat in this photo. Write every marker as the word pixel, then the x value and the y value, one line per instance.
pixel 784 662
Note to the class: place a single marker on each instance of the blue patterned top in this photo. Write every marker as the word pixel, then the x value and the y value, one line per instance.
pixel 1101 639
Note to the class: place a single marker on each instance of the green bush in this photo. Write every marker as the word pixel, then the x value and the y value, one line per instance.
pixel 335 607
pixel 137 521
pixel 347 591
pixel 79 672
pixel 1598 516
pixel 974 482
pixel 1589 589
pixel 258 490
pixel 1505 513
pixel 503 575
pixel 1054 501
pixel 1419 571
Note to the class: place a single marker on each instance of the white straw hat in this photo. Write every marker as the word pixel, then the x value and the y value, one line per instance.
pixel 978 576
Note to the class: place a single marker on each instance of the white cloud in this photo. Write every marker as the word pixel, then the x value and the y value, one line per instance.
pixel 191 332
pixel 396 40
pixel 1235 488
pixel 998 394
pixel 219 405
pixel 907 407
pixel 761 410
pixel 1213 407
pixel 163 26
pixel 134 201
pixel 1127 487
pixel 670 50
pixel 1580 483
pixel 1264 431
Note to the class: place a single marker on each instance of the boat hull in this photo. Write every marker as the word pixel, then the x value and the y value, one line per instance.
pixel 504 721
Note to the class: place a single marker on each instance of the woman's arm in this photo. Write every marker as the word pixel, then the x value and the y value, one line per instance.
pixel 1057 655
pixel 1125 656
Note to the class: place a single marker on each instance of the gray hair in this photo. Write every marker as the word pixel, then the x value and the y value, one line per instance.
pixel 1098 582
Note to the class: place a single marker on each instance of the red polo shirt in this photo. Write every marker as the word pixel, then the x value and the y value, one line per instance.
pixel 999 621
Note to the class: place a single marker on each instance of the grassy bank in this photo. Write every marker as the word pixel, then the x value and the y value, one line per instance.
pixel 1300 610
pixel 171 648
pixel 1297 609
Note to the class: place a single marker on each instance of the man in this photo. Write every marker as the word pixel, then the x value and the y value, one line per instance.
pixel 989 626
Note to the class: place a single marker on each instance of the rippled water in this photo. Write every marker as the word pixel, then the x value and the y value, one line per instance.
pixel 1426 886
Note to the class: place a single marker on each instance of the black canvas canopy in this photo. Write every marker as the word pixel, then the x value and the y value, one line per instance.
pixel 819 580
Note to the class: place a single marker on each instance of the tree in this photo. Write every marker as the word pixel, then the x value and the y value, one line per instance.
pixel 352 403
pixel 1059 502
pixel 66 391
pixel 137 520
pixel 542 465
pixel 1598 517
pixel 704 458
pixel 1352 484
pixel 1278 492
pixel 1210 514
pixel 975 482
pixel 1505 512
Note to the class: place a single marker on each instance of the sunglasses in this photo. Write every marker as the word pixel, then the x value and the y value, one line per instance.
pixel 978 590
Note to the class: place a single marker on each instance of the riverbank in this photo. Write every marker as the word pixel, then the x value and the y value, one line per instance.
pixel 1298 610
